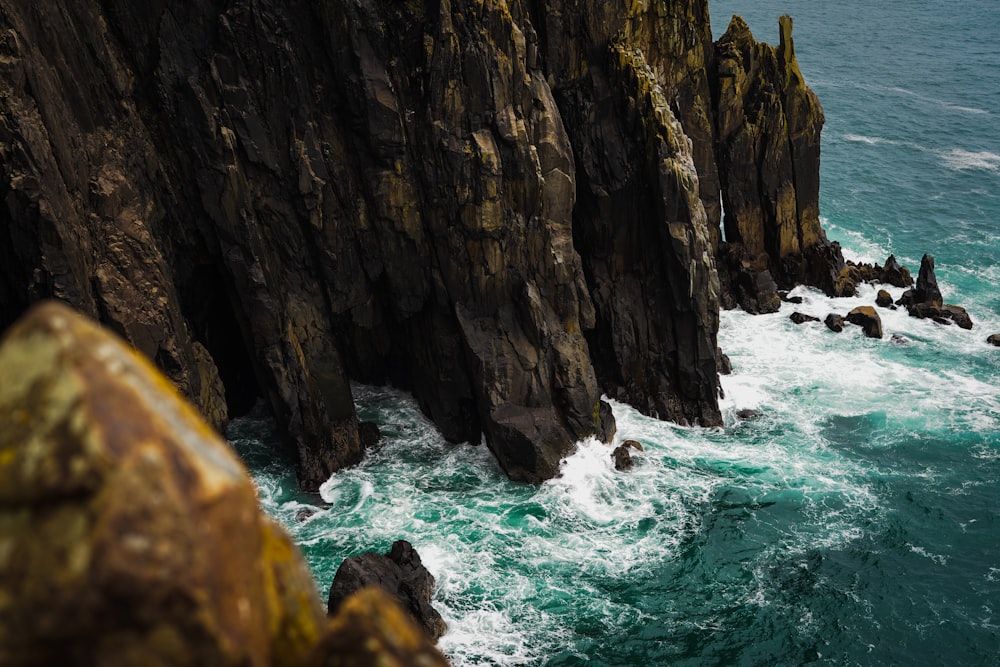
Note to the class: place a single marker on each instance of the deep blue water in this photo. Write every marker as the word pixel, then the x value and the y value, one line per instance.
pixel 855 522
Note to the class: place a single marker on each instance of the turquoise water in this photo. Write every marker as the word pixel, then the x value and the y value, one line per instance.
pixel 856 521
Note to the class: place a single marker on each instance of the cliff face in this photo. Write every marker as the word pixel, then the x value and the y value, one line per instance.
pixel 507 207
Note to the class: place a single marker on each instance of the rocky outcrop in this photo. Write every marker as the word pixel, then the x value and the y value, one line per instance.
pixel 371 630
pixel 768 141
pixel 925 300
pixel 399 573
pixel 129 531
pixel 802 318
pixel 622 457
pixel 834 322
pixel 883 299
pixel 853 274
pixel 866 318
pixel 507 208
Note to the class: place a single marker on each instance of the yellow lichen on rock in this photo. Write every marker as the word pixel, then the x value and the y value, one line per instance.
pixel 371 629
pixel 130 532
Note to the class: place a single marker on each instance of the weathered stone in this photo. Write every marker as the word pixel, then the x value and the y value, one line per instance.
pixel 802 318
pixel 723 364
pixel 400 573
pixel 769 125
pixel 958 315
pixel 883 299
pixel 371 630
pixel 747 414
pixel 507 208
pixel 867 319
pixel 926 289
pixel 895 274
pixel 129 532
pixel 994 339
pixel 622 457
pixel 834 322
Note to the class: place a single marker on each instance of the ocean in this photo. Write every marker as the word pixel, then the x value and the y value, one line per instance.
pixel 854 521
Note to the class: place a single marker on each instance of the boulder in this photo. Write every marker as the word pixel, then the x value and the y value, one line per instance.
pixel 867 319
pixel 994 339
pixel 802 318
pixel 129 531
pixel 958 315
pixel 723 365
pixel 622 457
pixel 746 414
pixel 372 630
pixel 895 274
pixel 399 573
pixel 131 535
pixel 834 322
pixel 883 299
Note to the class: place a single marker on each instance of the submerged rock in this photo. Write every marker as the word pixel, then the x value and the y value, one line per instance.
pixel 834 322
pixel 867 319
pixel 994 339
pixel 622 457
pixel 746 414
pixel 802 318
pixel 400 573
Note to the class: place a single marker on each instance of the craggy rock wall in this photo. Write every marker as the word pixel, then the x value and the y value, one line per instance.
pixel 507 207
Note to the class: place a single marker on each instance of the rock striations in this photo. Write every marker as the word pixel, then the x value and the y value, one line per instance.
pixel 509 208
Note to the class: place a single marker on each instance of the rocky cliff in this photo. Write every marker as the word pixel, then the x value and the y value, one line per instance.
pixel 507 207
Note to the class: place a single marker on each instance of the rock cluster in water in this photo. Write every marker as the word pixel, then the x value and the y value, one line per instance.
pixel 508 208
pixel 130 534
pixel 400 573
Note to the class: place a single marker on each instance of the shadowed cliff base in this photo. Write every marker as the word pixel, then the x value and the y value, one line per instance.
pixel 507 208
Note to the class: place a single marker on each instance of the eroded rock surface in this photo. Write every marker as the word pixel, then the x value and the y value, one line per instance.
pixel 508 208
pixel 399 573
pixel 131 535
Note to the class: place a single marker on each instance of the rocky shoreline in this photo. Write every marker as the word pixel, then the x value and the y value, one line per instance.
pixel 507 209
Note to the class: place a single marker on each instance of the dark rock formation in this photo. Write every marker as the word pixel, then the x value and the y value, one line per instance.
pixel 768 124
pixel 925 300
pixel 723 364
pixel 622 457
pixel 926 290
pixel 895 274
pixel 400 574
pixel 958 315
pixel 866 318
pixel 371 630
pixel 131 533
pixel 854 274
pixel 994 339
pixel 508 209
pixel 883 299
pixel 834 322
pixel 747 414
pixel 802 318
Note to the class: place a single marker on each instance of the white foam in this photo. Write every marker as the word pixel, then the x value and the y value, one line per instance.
pixel 962 160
